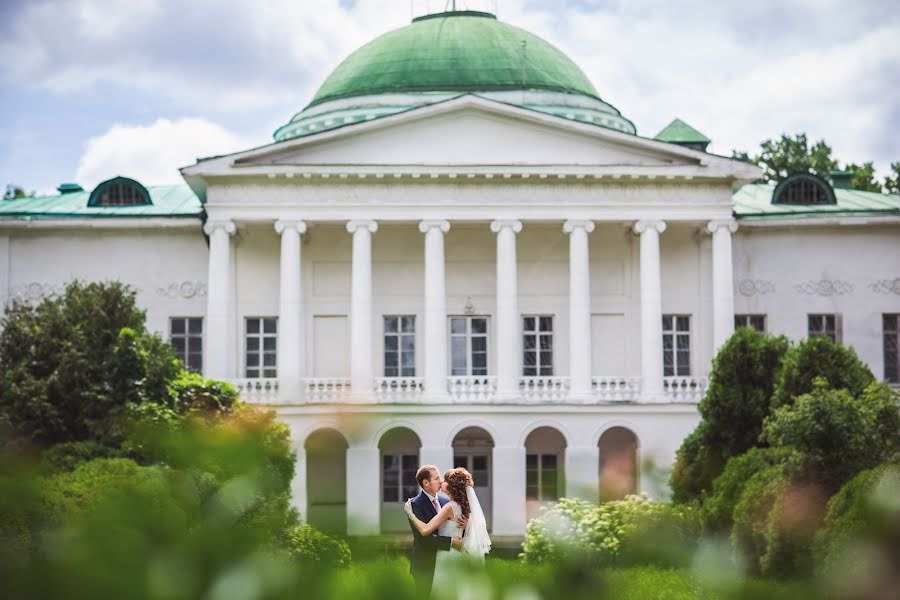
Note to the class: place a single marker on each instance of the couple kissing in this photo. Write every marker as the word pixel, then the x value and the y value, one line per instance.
pixel 448 525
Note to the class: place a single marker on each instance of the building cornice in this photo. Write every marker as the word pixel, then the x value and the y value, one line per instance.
pixel 101 223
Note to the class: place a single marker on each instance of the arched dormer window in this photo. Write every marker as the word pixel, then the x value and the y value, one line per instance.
pixel 803 189
pixel 119 191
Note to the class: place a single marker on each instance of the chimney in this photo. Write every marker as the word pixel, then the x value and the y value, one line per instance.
pixel 69 188
pixel 840 180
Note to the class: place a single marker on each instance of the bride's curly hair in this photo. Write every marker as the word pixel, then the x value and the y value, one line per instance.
pixel 457 480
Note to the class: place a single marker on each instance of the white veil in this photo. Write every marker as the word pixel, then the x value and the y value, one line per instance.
pixel 476 542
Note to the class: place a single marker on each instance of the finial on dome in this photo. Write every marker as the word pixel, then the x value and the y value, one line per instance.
pixel 422 9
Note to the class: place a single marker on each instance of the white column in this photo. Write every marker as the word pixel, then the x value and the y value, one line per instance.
pixel 508 338
pixel 298 485
pixel 723 281
pixel 290 318
pixel 218 299
pixel 508 490
pixel 583 472
pixel 579 308
pixel 651 311
pixel 361 309
pixel 439 456
pixel 435 308
pixel 363 491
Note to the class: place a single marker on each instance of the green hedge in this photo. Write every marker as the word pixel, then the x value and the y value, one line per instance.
pixel 309 545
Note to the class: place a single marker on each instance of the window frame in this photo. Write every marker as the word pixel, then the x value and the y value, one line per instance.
pixel 540 471
pixel 676 334
pixel 406 464
pixel 837 331
pixel 894 335
pixel 538 333
pixel 187 336
pixel 261 335
pixel 748 318
pixel 469 353
pixel 399 334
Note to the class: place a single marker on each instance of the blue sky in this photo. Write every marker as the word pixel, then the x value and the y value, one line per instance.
pixel 96 88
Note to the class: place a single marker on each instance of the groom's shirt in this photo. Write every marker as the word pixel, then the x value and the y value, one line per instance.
pixel 433 500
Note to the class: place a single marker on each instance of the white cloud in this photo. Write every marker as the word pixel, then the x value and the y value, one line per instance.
pixel 153 153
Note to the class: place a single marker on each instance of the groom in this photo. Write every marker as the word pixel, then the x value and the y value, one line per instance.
pixel 424 549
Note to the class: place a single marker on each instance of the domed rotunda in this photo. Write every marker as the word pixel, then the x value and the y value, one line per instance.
pixel 445 55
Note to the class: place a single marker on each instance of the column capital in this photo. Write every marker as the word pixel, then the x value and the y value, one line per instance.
pixel 284 224
pixel 355 224
pixel 714 226
pixel 513 224
pixel 227 225
pixel 646 224
pixel 573 224
pixel 429 224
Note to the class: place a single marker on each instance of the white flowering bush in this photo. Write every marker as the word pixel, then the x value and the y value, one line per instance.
pixel 607 532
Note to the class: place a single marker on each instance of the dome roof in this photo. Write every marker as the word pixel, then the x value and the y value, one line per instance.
pixel 443 55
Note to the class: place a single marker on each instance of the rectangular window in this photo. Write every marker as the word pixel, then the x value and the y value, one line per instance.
pixel 186 336
pixel 400 346
pixel 398 477
pixel 676 345
pixel 537 346
pixel 541 477
pixel 468 345
pixel 828 325
pixel 891 326
pixel 756 322
pixel 261 341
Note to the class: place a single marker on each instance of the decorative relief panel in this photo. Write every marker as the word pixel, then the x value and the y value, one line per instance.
pixel 825 288
pixel 886 286
pixel 35 290
pixel 754 287
pixel 183 289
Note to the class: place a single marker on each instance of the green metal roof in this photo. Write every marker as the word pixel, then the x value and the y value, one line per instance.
pixel 462 51
pixel 680 132
pixel 754 201
pixel 167 201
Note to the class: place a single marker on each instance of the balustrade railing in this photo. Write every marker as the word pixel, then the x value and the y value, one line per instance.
pixel 398 389
pixel 257 391
pixel 471 388
pixel 325 389
pixel 544 389
pixel 685 388
pixel 616 389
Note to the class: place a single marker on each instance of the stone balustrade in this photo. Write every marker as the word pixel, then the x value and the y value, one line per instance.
pixel 325 389
pixel 609 388
pixel 544 389
pixel 688 389
pixel 257 391
pixel 471 389
pixel 398 389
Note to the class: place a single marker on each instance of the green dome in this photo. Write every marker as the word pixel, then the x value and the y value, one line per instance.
pixel 460 52
pixel 438 57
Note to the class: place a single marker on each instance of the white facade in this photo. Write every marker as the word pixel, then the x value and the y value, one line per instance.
pixel 473 209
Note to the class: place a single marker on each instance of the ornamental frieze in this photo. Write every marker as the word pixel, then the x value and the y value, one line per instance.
pixel 886 286
pixel 825 288
pixel 183 289
pixel 754 287
pixel 35 290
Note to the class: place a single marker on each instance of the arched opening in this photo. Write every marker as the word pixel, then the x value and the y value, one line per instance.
pixel 399 449
pixel 472 449
pixel 545 482
pixel 326 480
pixel 618 463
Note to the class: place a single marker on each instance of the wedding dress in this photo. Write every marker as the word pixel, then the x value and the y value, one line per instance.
pixel 476 543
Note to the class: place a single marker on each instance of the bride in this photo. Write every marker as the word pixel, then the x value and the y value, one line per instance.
pixel 476 542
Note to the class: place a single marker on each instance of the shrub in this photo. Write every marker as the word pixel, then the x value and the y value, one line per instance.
pixel 839 434
pixel 817 357
pixel 718 507
pixel 732 411
pixel 306 544
pixel 864 512
pixel 607 533
pixel 69 455
pixel 751 515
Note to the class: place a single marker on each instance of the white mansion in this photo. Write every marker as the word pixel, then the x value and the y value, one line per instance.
pixel 458 254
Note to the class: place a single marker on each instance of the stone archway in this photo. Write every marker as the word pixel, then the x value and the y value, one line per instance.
pixel 618 463
pixel 399 461
pixel 545 459
pixel 472 449
pixel 326 480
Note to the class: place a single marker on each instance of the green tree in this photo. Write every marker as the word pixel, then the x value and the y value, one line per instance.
pixel 71 366
pixel 816 357
pixel 863 177
pixel 892 179
pixel 732 411
pixel 14 192
pixel 789 155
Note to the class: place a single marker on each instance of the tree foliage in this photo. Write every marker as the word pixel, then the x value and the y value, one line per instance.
pixel 72 365
pixel 14 192
pixel 892 179
pixel 863 177
pixel 732 411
